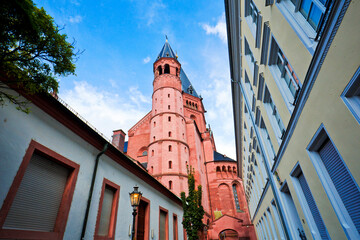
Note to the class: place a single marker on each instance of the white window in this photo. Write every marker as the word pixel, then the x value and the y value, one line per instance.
pixel 274 115
pixel 307 18
pixel 351 95
pixel 343 192
pixel 284 75
pixel 249 57
pixel 254 20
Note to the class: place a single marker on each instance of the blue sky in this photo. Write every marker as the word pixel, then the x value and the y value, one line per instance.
pixel 113 83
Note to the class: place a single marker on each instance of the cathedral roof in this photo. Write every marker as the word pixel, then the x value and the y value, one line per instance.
pixel 221 157
pixel 186 84
pixel 167 52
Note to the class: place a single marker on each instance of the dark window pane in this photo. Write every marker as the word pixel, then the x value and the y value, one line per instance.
pixel 305 7
pixel 315 16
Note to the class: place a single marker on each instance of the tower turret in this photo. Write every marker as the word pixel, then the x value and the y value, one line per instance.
pixel 168 150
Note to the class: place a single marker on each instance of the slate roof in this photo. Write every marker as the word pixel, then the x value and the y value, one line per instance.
pixel 166 51
pixel 221 157
pixel 186 84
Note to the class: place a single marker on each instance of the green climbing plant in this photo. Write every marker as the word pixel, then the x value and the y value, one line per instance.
pixel 193 210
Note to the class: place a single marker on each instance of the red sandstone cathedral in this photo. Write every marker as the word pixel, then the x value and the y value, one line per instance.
pixel 172 136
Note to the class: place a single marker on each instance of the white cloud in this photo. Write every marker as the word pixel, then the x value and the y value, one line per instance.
pixel 75 19
pixel 215 89
pixel 219 29
pixel 105 110
pixel 146 60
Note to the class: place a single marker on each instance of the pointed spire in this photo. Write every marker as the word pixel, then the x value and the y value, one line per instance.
pixel 166 50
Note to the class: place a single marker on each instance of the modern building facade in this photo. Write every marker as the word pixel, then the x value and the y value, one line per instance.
pixel 295 86
pixel 61 179
pixel 173 137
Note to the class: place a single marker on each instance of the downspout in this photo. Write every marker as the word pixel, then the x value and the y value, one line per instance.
pixel 92 189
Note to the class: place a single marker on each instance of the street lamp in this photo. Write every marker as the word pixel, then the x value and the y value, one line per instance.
pixel 135 197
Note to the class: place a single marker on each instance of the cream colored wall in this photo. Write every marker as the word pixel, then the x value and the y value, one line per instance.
pixel 324 105
pixel 295 51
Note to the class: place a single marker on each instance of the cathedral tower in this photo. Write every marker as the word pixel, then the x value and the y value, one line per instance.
pixel 168 152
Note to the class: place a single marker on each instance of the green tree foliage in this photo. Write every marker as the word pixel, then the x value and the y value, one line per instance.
pixel 32 51
pixel 193 210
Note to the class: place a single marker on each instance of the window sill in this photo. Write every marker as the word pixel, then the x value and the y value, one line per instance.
pixel 285 92
pixel 273 123
pixel 301 27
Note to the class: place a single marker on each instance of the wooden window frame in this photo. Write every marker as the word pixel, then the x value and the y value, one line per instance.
pixel 64 208
pixel 166 222
pixel 114 209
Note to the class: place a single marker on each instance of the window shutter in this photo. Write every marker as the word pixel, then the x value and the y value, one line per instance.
pixel 258 31
pixel 269 2
pixel 256 73
pixel 106 208
pixel 247 5
pixel 260 87
pixel 313 207
pixel 343 181
pixel 265 43
pixel 253 104
pixel 38 197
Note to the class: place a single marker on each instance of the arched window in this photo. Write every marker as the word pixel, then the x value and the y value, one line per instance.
pixel 218 169
pixel 170 148
pixel 185 149
pixel 144 153
pixel 223 168
pixel 154 124
pixel 152 152
pixel 152 169
pixel 170 164
pixel 154 138
pixel 169 134
pixel 169 107
pixel 177 71
pixel 183 136
pixel 236 199
pixel 170 184
pixel 167 68
pixel 196 105
pixel 187 102
pixel 159 70
pixel 229 169
pixel 168 95
pixel 169 119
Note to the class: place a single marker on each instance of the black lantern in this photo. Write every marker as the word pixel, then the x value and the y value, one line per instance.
pixel 135 197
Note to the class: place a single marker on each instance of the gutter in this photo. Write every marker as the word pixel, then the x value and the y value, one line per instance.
pixel 92 189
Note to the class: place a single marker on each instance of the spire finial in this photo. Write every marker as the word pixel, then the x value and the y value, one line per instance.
pixel 176 55
pixel 166 38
